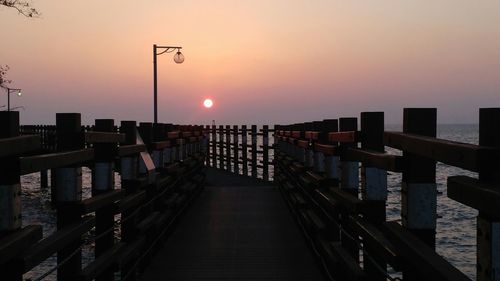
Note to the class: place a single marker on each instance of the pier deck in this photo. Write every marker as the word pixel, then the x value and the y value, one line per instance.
pixel 239 229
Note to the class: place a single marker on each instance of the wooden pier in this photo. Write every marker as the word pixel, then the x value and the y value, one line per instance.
pixel 238 229
pixel 206 202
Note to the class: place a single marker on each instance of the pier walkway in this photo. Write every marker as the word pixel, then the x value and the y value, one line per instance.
pixel 238 229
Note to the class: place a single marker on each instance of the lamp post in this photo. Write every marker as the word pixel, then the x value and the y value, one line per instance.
pixel 11 90
pixel 178 58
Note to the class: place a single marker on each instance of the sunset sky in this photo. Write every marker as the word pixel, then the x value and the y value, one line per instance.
pixel 261 61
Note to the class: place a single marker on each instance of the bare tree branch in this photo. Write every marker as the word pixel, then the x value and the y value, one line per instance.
pixel 3 72
pixel 24 7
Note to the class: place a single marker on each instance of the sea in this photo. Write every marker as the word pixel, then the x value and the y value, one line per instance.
pixel 456 223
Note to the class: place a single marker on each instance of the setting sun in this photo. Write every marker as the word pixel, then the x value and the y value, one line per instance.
pixel 208 103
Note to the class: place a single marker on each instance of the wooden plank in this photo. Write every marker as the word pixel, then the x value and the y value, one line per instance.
pixel 375 240
pixel 463 155
pixel 131 201
pixel 104 137
pixel 18 145
pixel 55 242
pixel 129 252
pixel 422 257
pixel 173 135
pixel 311 135
pixel 481 196
pixel 347 201
pixel 388 162
pixel 31 164
pixel 96 202
pixel 18 241
pixel 325 148
pixel 343 137
pixel 303 143
pixel 159 145
pixel 100 264
pixel 126 150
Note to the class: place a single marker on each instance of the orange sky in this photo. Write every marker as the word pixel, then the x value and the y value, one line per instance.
pixel 262 61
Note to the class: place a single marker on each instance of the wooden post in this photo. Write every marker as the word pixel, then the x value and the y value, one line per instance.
pixel 221 147
pixel 319 157
pixel 228 148
pixel 373 188
pixel 350 170
pixel 418 192
pixel 332 162
pixel 214 146
pixel 236 158
pixel 130 164
pixel 349 182
pixel 69 191
pixel 167 152
pixel 265 152
pixel 488 228
pixel 129 171
pixel 309 157
pixel 103 181
pixel 254 151
pixel 159 134
pixel 10 191
pixel 206 145
pixel 244 149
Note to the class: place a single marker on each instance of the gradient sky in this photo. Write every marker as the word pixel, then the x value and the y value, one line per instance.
pixel 262 61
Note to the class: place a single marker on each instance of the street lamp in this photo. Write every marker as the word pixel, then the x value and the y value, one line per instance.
pixel 11 90
pixel 178 58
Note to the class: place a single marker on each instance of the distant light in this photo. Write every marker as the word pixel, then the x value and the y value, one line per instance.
pixel 208 103
pixel 179 57
pixel 19 93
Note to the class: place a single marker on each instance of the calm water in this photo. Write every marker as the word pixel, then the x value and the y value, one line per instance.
pixel 456 224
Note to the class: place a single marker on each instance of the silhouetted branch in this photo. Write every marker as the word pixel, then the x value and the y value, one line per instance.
pixel 22 6
pixel 3 74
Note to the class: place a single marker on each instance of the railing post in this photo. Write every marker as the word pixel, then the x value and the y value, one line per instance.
pixel 69 191
pixel 10 190
pixel 236 158
pixel 129 171
pixel 221 147
pixel 244 149
pixel 488 228
pixel 309 152
pixel 265 152
pixel 332 162
pixel 206 144
pixel 418 192
pixel 228 148
pixel 159 134
pixel 214 146
pixel 129 165
pixel 168 151
pixel 103 181
pixel 254 151
pixel 373 188
pixel 319 157
pixel 349 182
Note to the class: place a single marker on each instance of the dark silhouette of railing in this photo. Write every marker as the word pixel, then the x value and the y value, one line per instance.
pixel 317 169
pixel 159 178
pixel 241 150
pixel 332 174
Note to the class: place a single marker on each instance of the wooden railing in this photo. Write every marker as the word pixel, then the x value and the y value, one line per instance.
pixel 317 170
pixel 241 150
pixel 159 178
